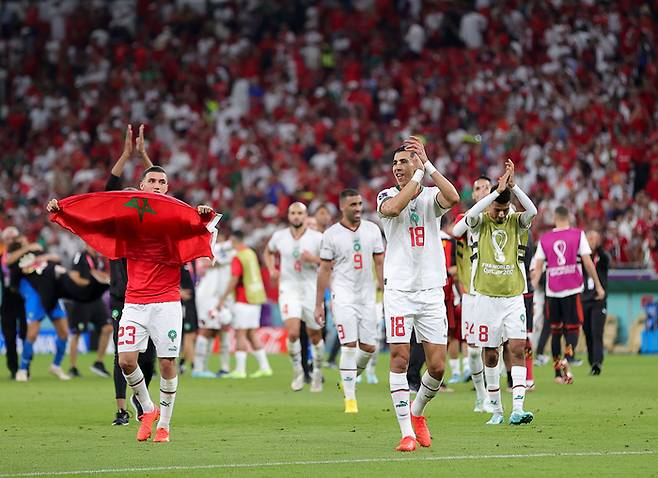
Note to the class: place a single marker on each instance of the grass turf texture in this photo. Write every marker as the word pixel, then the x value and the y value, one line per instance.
pixel 48 427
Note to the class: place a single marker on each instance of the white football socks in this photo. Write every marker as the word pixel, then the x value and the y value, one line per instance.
pixel 295 352
pixel 138 386
pixel 429 387
pixel 168 388
pixel 347 366
pixel 261 357
pixel 477 371
pixel 201 353
pixel 400 396
pixel 362 360
pixel 492 375
pixel 518 387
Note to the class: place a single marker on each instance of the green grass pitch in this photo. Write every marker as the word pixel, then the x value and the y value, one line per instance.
pixel 599 426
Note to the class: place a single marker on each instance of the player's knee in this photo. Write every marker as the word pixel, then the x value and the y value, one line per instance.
pixel 367 348
pixel 127 365
pixel 436 370
pixel 491 358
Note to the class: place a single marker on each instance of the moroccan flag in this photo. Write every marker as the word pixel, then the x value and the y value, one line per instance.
pixel 138 226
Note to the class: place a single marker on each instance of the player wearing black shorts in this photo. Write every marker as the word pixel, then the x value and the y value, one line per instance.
pixel 118 284
pixel 190 317
pixel 12 310
pixel 82 314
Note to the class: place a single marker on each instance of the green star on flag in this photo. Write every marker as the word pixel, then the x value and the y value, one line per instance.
pixel 141 208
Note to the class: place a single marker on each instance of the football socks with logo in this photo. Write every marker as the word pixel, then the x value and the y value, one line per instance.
pixel 318 356
pixel 400 396
pixel 347 365
pixel 168 388
pixel 492 375
pixel 138 385
pixel 429 387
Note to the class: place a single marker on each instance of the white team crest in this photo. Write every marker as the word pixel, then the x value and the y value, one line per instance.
pixel 560 248
pixel 498 241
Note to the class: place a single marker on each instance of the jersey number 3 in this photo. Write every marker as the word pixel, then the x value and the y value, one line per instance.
pixel 417 236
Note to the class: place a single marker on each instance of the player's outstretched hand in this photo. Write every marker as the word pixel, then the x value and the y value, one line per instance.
pixel 202 209
pixel 418 155
pixel 509 167
pixel 140 145
pixel 319 315
pixel 53 206
pixel 502 181
pixel 128 143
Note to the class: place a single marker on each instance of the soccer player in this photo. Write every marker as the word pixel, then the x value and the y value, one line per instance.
pixel 351 247
pixel 562 250
pixel 82 313
pixel 213 322
pixel 498 280
pixel 12 309
pixel 414 276
pixel 299 250
pixel 190 317
pixel 42 283
pixel 118 284
pixel 595 311
pixel 152 309
pixel 247 285
pixel 481 187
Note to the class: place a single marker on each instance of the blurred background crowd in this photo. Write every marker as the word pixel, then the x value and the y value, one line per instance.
pixel 253 104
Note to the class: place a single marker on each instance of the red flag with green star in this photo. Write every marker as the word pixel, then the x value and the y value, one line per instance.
pixel 139 226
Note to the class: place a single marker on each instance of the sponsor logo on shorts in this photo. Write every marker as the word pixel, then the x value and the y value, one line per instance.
pixel 173 348
pixel 522 318
pixel 172 334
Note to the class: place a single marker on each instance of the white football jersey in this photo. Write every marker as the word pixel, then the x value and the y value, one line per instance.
pixel 353 278
pixel 414 253
pixel 213 284
pixel 298 278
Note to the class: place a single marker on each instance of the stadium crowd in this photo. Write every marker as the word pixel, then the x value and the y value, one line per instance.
pixel 252 105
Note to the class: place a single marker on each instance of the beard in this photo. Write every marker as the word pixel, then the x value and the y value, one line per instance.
pixel 297 226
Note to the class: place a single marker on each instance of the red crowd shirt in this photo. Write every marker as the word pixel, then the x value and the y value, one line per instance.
pixel 240 291
pixel 152 282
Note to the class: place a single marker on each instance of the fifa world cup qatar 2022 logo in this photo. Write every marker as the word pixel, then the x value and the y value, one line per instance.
pixel 498 241
pixel 560 249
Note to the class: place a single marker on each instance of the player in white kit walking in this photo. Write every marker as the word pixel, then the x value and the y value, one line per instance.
pixel 414 276
pixel 299 250
pixel 351 248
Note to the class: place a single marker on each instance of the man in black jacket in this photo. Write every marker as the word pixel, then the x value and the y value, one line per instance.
pixel 118 283
pixel 12 310
pixel 595 311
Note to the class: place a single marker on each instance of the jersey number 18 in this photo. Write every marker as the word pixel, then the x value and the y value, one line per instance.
pixel 417 236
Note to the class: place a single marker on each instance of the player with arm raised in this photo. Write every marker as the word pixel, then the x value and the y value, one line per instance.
pixel 481 188
pixel 499 281
pixel 351 248
pixel 152 309
pixel 413 282
pixel 299 250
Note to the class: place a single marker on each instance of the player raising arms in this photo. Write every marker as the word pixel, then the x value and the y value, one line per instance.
pixel 414 276
pixel 481 188
pixel 351 247
pixel 153 302
pixel 299 250
pixel 498 280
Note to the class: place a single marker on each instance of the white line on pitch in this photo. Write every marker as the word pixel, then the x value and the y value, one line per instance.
pixel 414 459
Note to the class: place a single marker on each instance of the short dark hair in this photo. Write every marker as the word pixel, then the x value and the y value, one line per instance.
pixel 321 206
pixel 238 234
pixel 400 149
pixel 348 193
pixel 562 211
pixel 153 169
pixel 483 178
pixel 504 197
